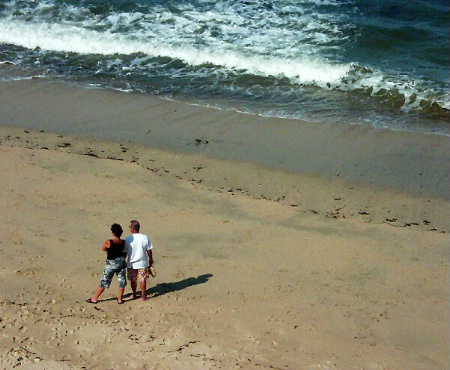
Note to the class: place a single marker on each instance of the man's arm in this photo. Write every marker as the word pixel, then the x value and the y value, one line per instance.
pixel 150 257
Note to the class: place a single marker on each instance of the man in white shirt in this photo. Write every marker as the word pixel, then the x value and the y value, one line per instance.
pixel 140 257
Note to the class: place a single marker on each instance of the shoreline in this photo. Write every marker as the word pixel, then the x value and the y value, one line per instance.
pixel 418 164
pixel 382 177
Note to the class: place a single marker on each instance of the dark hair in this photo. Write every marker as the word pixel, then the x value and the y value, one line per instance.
pixel 117 230
pixel 135 225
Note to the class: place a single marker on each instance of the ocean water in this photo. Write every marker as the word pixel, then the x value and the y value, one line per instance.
pixel 383 63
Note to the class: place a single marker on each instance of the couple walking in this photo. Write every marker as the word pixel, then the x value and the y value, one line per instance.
pixel 138 266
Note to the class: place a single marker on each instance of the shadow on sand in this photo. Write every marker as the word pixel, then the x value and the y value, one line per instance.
pixel 164 288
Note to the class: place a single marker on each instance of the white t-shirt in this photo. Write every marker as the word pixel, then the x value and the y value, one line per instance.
pixel 137 246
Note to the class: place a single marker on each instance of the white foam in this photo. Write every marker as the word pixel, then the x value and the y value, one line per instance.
pixel 223 35
pixel 72 39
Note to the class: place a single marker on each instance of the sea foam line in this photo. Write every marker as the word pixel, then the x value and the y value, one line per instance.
pixel 71 39
pixel 301 70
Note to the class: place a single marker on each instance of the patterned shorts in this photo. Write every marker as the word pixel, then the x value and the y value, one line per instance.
pixel 138 275
pixel 114 267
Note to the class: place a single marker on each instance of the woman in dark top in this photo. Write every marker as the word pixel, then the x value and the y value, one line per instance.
pixel 115 264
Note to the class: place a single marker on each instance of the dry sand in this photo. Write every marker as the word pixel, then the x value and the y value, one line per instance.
pixel 257 269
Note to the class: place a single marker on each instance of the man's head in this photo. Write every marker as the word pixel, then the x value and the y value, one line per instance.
pixel 134 226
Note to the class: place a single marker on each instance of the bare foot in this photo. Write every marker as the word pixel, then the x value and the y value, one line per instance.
pixel 144 298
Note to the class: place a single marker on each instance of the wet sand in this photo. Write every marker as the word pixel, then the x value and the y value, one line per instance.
pixel 408 162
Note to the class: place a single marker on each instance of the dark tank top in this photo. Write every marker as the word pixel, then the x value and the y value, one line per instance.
pixel 115 250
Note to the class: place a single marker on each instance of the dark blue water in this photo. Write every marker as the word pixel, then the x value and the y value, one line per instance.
pixel 379 63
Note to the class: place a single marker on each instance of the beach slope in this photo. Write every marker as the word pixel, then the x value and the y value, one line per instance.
pixel 246 279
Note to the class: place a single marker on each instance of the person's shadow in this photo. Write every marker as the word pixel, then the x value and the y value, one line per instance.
pixel 164 288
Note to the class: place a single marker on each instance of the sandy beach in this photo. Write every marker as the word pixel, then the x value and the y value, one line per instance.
pixel 341 263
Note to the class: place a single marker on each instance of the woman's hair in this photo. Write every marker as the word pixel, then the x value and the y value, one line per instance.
pixel 117 230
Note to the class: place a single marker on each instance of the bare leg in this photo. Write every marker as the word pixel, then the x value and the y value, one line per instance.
pixel 133 288
pixel 143 290
pixel 97 294
pixel 120 295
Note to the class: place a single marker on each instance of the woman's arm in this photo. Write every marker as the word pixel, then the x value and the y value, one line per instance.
pixel 106 246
